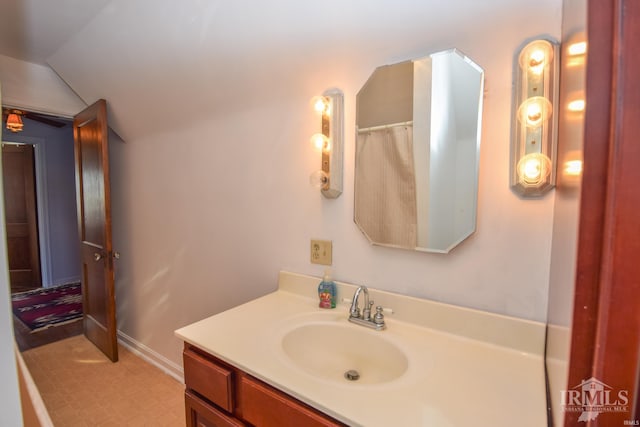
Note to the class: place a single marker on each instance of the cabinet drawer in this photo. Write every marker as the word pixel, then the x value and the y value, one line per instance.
pixel 264 406
pixel 210 380
pixel 201 414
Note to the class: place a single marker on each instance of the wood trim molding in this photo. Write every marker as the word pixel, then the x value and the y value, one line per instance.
pixel 593 195
pixel 617 352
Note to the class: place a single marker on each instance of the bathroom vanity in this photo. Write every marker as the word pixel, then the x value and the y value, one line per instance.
pixel 280 360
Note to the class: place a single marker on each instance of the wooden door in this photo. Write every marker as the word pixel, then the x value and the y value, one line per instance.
pixel 18 168
pixel 94 223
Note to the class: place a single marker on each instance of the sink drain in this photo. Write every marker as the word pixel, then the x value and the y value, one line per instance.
pixel 352 375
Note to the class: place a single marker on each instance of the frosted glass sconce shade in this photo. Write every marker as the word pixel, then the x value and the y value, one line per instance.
pixel 330 142
pixel 533 126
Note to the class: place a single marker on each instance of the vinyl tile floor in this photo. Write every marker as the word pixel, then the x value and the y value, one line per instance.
pixel 81 387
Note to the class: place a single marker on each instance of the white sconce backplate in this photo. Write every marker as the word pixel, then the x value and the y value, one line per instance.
pixel 534 121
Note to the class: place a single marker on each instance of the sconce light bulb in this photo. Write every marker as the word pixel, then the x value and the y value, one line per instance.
pixel 320 142
pixel 536 59
pixel 535 56
pixel 321 104
pixel 534 111
pixel 534 168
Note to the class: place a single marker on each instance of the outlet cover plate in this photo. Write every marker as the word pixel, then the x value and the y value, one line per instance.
pixel 321 251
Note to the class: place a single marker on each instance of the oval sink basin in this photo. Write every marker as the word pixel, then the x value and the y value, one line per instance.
pixel 329 351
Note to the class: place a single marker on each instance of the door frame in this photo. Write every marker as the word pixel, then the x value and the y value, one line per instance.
pixel 605 341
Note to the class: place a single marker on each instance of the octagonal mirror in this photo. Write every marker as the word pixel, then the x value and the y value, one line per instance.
pixel 418 128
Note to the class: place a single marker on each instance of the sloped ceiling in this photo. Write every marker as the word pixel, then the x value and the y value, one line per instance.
pixel 169 64
pixel 32 30
pixel 165 64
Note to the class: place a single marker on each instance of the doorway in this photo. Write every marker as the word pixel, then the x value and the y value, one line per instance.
pixel 55 209
pixel 21 216
pixel 57 223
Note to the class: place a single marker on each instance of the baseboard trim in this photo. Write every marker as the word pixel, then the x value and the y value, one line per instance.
pixel 65 281
pixel 156 359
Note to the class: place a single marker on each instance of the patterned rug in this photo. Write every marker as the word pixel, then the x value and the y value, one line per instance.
pixel 42 308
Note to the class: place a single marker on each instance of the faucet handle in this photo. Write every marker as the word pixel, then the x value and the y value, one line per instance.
pixel 366 313
pixel 378 319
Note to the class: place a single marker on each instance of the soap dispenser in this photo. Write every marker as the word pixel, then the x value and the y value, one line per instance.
pixel 327 291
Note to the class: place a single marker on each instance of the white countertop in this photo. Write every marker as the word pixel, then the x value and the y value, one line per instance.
pixel 453 378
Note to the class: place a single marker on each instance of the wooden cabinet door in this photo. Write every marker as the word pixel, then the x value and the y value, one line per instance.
pixel 209 379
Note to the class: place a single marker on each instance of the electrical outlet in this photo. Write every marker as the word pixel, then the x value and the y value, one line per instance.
pixel 321 251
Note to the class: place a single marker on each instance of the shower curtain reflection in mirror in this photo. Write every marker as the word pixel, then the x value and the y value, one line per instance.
pixel 385 195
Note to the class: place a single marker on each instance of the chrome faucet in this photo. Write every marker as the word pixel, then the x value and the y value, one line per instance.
pixel 377 322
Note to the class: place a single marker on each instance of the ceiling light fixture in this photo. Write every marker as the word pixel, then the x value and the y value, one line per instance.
pixel 14 121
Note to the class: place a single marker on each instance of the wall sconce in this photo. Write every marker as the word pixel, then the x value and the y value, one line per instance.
pixel 14 121
pixel 330 142
pixel 534 129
